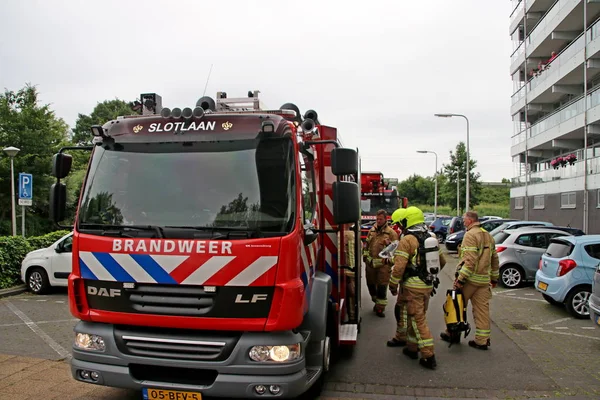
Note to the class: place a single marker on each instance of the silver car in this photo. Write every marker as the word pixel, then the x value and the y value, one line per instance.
pixel 520 251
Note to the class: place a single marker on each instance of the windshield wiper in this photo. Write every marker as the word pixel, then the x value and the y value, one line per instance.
pixel 215 230
pixel 120 229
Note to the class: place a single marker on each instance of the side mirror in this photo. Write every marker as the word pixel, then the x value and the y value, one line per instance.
pixel 346 202
pixel 61 165
pixel 58 202
pixel 344 161
pixel 309 235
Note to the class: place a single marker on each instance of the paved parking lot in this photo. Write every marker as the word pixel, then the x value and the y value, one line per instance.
pixel 538 350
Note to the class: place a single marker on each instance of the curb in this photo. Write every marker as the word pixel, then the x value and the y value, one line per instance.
pixel 13 291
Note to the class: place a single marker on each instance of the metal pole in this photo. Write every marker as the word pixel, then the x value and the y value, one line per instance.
pixel 468 169
pixel 585 126
pixel 23 221
pixel 12 193
pixel 457 194
pixel 527 131
pixel 436 187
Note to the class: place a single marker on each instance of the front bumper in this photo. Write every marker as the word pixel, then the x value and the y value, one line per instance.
pixel 234 377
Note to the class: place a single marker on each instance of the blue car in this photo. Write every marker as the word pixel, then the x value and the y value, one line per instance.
pixel 566 271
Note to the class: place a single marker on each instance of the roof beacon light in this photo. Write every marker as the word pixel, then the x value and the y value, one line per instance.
pixel 165 112
pixel 187 113
pixel 198 112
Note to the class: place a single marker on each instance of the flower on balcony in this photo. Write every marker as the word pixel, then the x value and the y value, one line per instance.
pixel 571 158
pixel 562 161
pixel 554 163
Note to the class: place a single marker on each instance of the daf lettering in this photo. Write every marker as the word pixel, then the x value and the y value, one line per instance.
pixel 255 298
pixel 94 291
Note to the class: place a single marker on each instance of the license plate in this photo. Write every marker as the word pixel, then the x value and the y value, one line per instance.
pixel 542 286
pixel 160 394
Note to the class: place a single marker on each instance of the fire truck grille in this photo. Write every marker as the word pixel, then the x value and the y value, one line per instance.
pixel 171 300
pixel 176 344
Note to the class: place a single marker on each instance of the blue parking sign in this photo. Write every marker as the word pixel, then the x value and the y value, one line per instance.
pixel 25 186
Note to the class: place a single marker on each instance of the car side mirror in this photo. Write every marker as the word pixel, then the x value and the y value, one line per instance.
pixel 61 165
pixel 344 161
pixel 58 202
pixel 346 202
pixel 309 235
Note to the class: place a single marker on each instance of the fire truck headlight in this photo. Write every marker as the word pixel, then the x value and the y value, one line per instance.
pixel 85 341
pixel 284 353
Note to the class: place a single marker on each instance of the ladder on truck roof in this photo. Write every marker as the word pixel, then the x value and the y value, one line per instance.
pixel 250 103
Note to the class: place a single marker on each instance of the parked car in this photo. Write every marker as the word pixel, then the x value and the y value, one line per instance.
pixel 567 270
pixel 429 219
pixel 44 268
pixel 454 240
pixel 572 231
pixel 516 224
pixel 440 227
pixel 594 301
pixel 488 217
pixel 455 225
pixel 519 252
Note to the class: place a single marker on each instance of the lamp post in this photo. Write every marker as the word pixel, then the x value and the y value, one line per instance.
pixel 12 152
pixel 436 179
pixel 468 174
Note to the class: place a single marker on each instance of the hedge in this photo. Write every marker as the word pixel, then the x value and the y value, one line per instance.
pixel 13 250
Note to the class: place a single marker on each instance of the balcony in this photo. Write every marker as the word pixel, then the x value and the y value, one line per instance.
pixel 559 180
pixel 565 123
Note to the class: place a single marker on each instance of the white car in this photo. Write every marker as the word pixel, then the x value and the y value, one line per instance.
pixel 48 267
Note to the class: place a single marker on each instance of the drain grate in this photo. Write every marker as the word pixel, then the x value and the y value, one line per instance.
pixel 519 327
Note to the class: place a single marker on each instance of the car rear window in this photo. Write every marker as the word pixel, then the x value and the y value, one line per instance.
pixel 593 250
pixel 559 249
pixel 500 237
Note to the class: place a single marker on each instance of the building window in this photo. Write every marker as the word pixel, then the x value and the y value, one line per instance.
pixel 519 201
pixel 598 198
pixel 567 200
pixel 538 202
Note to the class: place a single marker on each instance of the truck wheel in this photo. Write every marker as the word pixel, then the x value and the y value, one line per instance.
pixel 37 280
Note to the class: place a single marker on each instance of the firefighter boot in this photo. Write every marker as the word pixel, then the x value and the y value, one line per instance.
pixel 479 346
pixel 428 362
pixel 393 342
pixel 410 354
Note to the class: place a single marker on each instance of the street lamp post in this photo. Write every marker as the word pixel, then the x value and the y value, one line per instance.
pixel 436 180
pixel 468 177
pixel 12 152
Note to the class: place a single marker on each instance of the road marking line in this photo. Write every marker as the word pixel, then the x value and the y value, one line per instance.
pixel 523 298
pixel 539 329
pixel 41 300
pixel 506 291
pixel 24 299
pixel 511 294
pixel 60 302
pixel 40 322
pixel 529 294
pixel 36 329
pixel 561 327
pixel 556 321
pixel 588 327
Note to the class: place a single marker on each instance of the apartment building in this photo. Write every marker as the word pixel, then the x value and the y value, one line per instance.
pixel 555 69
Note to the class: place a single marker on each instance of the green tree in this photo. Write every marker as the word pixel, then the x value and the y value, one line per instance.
pixel 458 168
pixel 102 113
pixel 418 189
pixel 39 134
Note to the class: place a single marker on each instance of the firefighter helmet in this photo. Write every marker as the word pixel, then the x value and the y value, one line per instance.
pixel 413 216
pixel 398 216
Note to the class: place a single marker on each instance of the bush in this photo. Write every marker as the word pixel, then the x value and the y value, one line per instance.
pixel 13 250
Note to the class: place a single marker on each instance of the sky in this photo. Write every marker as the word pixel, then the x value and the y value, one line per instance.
pixel 377 71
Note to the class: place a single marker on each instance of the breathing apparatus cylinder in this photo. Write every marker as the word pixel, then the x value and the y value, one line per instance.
pixel 432 256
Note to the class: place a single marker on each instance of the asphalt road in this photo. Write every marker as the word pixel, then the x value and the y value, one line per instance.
pixel 535 347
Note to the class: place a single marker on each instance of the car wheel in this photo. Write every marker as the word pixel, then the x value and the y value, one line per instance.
pixel 511 276
pixel 440 238
pixel 551 300
pixel 577 302
pixel 37 280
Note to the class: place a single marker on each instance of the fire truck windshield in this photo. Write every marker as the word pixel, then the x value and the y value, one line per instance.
pixel 388 201
pixel 240 184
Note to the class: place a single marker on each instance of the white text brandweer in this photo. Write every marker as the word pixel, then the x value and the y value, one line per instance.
pixel 172 246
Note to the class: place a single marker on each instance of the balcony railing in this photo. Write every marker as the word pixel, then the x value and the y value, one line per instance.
pixel 561 115
pixel 546 19
pixel 564 56
pixel 567 172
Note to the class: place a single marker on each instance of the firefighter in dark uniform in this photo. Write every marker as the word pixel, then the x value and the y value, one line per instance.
pixel 378 270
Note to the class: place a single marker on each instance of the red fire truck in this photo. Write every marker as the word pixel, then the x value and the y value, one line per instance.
pixel 377 193
pixel 205 250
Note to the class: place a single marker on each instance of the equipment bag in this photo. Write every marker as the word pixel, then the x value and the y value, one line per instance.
pixel 455 315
